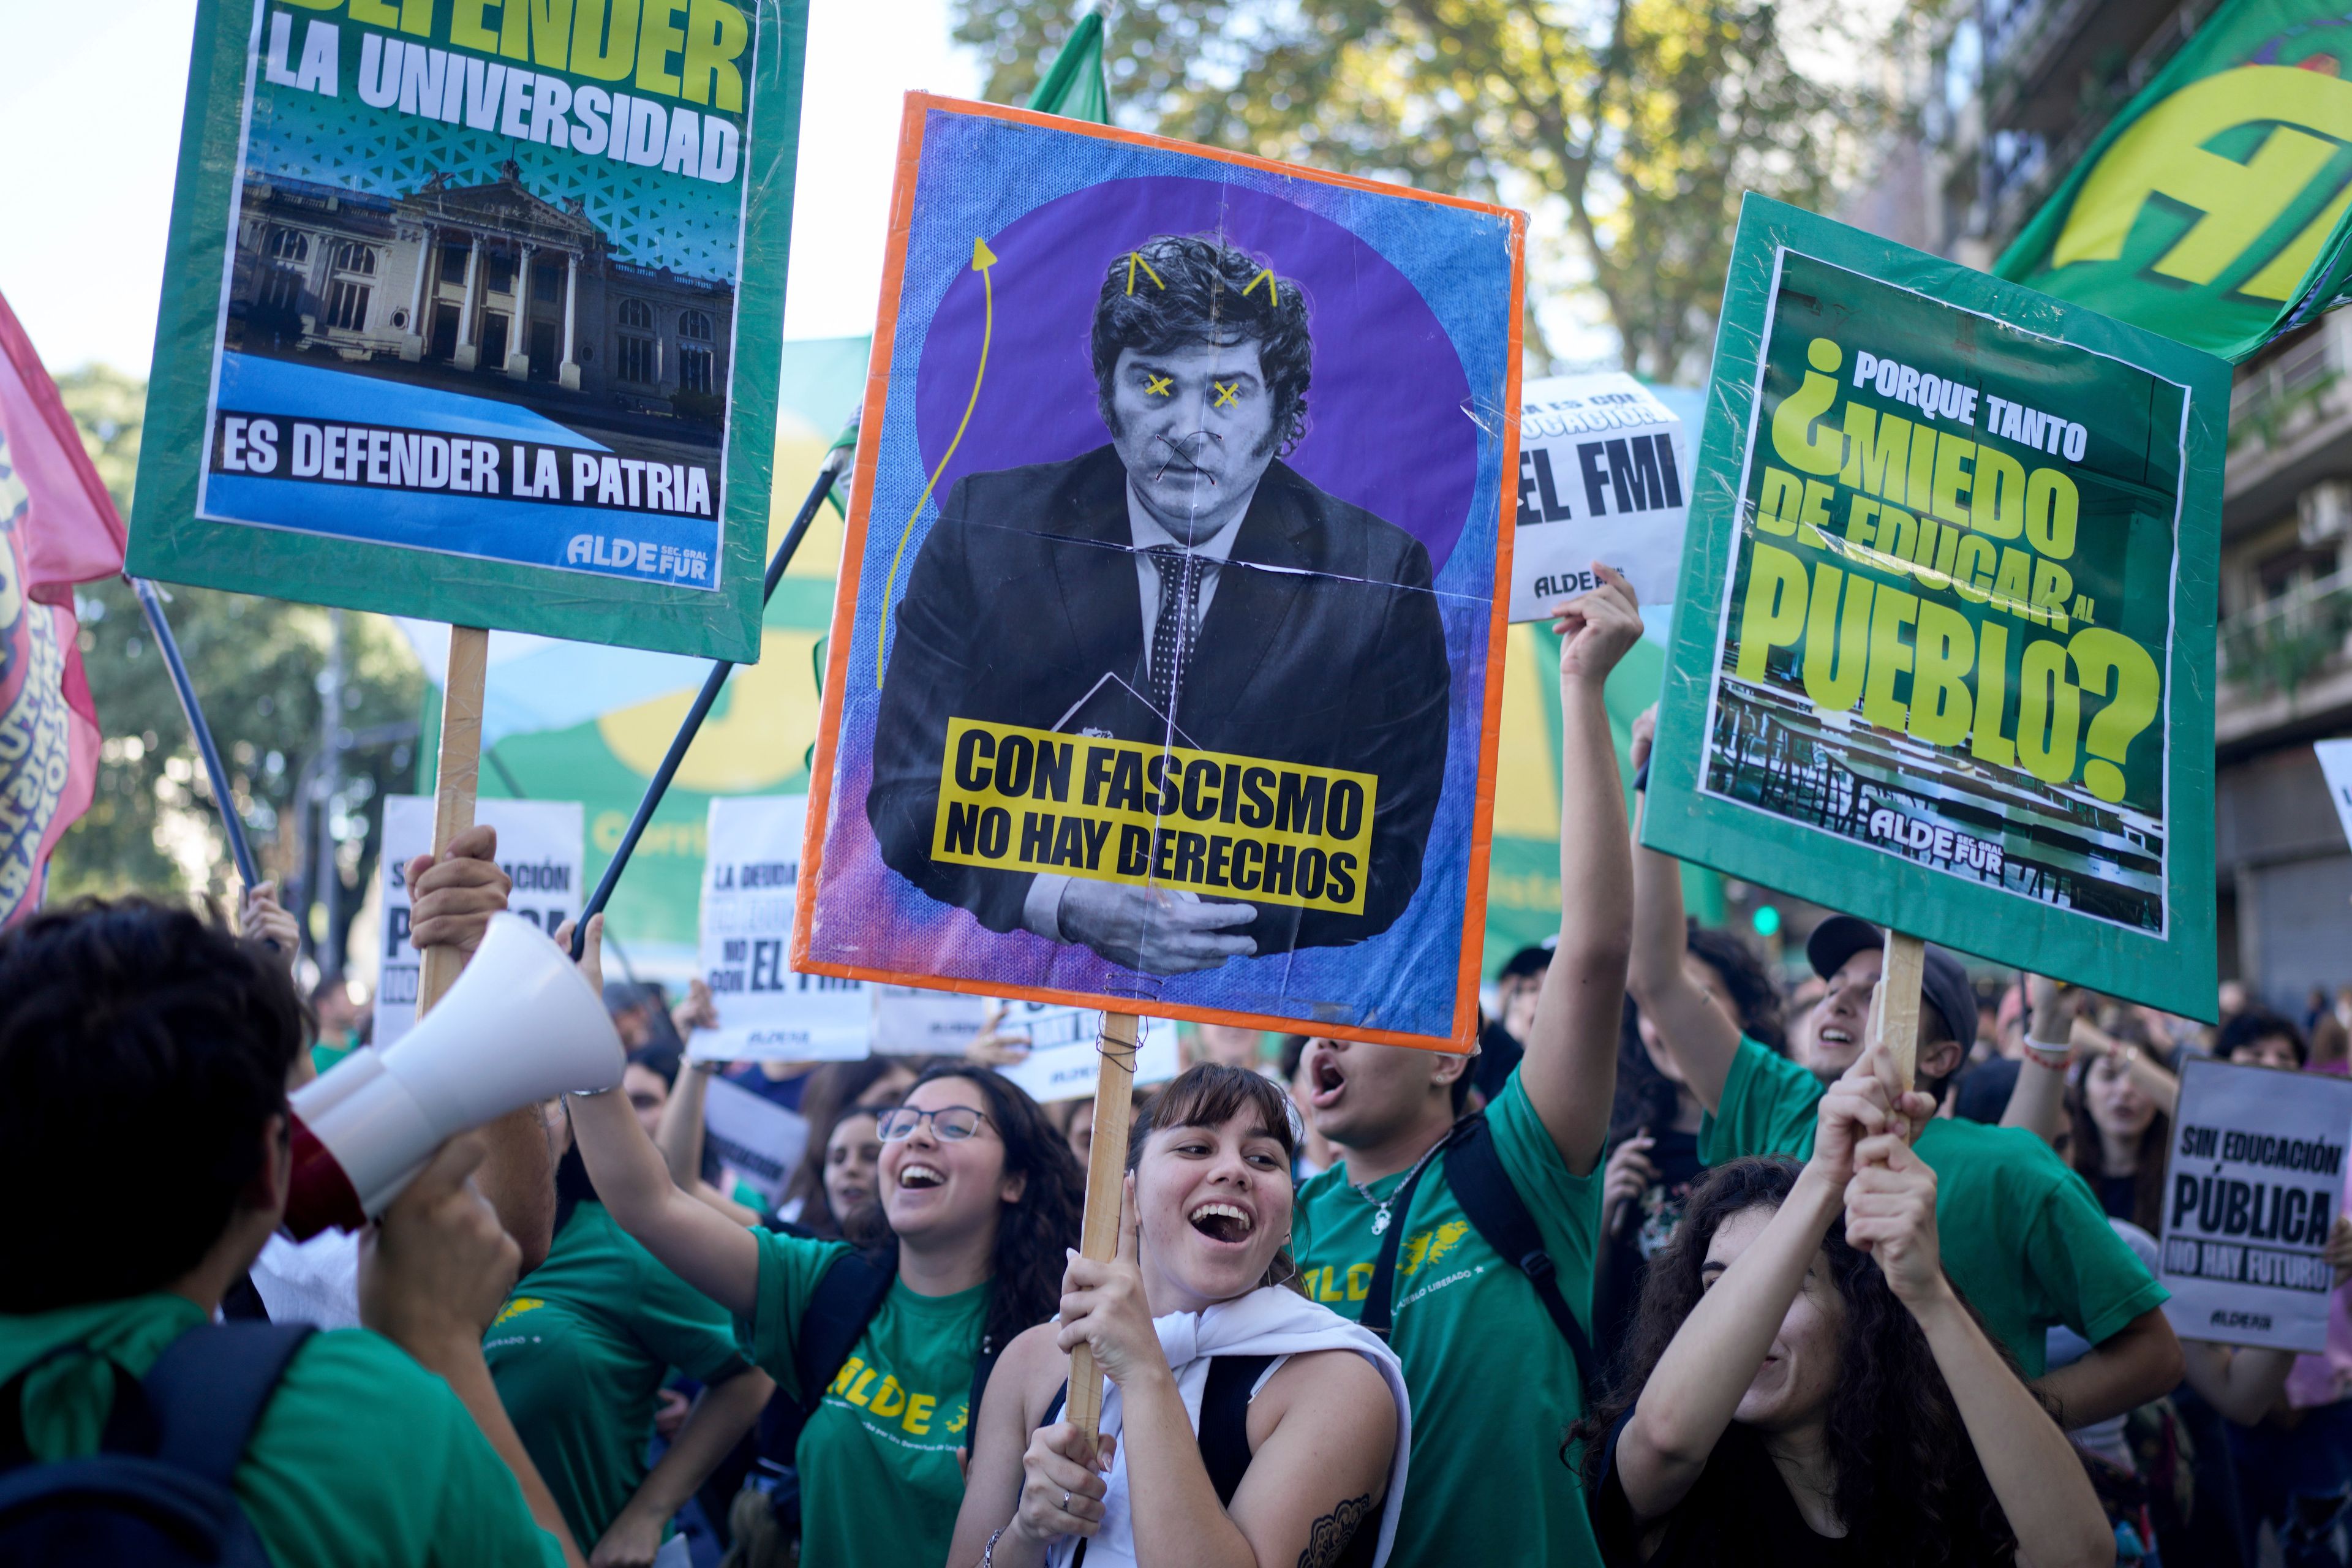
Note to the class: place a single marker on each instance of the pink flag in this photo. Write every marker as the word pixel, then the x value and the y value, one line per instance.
pixel 60 526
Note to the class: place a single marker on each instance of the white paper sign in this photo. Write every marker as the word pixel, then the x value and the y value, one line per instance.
pixel 2255 1183
pixel 766 1011
pixel 911 1022
pixel 1602 478
pixel 759 1140
pixel 2335 762
pixel 539 847
pixel 1061 1063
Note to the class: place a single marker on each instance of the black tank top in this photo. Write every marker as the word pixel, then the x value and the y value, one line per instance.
pixel 1224 1438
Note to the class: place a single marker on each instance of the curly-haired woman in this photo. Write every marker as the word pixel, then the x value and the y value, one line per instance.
pixel 982 1197
pixel 1807 1388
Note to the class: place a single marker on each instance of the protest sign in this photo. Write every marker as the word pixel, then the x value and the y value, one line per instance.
pixel 1062 1051
pixel 2335 766
pixel 1944 645
pixel 1148 687
pixel 2255 1181
pixel 472 311
pixel 911 1022
pixel 759 1140
pixel 1601 478
pixel 539 847
pixel 749 886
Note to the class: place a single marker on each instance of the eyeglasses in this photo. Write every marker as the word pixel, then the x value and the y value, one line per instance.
pixel 950 1124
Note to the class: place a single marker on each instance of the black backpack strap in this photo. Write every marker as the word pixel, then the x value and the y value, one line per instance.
pixel 243 1303
pixel 1223 1426
pixel 989 1351
pixel 1380 1297
pixel 844 1301
pixel 1473 1170
pixel 209 1387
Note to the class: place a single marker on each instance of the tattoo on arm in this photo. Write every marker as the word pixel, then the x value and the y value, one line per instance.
pixel 1331 1534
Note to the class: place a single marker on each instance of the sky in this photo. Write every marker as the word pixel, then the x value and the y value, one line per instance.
pixel 83 241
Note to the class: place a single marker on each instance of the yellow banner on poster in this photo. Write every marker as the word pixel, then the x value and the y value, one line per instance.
pixel 1120 811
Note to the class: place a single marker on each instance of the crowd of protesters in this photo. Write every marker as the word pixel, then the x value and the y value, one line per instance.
pixel 1672 1270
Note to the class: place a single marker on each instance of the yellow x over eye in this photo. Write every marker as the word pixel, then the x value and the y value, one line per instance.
pixel 1155 385
pixel 1227 391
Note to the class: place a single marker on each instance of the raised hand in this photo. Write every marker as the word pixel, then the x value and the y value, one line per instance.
pixel 1628 1176
pixel 1864 1104
pixel 1890 1214
pixel 697 1011
pixel 1596 629
pixel 1103 1307
pixel 264 919
pixel 438 1265
pixel 453 895
pixel 1644 736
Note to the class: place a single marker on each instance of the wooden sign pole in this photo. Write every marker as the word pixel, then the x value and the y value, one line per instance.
pixel 1105 1180
pixel 460 767
pixel 1896 1004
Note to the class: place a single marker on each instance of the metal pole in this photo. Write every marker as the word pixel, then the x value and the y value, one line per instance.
pixel 327 878
pixel 836 460
pixel 152 607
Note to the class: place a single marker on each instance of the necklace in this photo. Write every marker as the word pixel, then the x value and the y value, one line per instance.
pixel 1364 1189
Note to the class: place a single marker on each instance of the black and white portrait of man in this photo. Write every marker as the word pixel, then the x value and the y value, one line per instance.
pixel 1181 585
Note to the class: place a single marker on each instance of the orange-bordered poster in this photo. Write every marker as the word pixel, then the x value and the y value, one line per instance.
pixel 1167 652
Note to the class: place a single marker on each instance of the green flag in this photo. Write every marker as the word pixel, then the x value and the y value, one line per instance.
pixel 2214 210
pixel 1075 87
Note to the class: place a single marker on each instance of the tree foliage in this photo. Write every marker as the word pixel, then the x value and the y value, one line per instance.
pixel 1630 128
pixel 256 663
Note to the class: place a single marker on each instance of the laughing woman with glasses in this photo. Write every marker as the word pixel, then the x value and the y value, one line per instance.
pixel 982 1198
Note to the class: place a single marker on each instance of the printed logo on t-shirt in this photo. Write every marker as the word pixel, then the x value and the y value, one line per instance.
pixel 1330 1284
pixel 516 1308
pixel 889 1409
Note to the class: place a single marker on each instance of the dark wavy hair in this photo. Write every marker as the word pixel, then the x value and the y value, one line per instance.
pixel 1210 1094
pixel 1033 1234
pixel 1645 1097
pixel 142 1051
pixel 1196 288
pixel 1910 1488
pixel 2255 1025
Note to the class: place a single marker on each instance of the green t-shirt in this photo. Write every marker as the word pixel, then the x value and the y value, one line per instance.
pixel 362 1458
pixel 2023 1238
pixel 1494 1384
pixel 879 1481
pixel 579 1353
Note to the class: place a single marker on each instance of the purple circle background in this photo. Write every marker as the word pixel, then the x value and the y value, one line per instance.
pixel 1386 430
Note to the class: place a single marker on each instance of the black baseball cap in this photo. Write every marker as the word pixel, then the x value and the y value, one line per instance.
pixel 1533 959
pixel 1941 979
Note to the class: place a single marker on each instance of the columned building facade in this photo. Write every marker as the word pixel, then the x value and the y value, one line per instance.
pixel 483 280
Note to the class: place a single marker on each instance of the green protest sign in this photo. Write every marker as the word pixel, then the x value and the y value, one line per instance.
pixel 472 310
pixel 1943 650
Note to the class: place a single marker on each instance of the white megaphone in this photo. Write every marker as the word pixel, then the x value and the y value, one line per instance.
pixel 521 1025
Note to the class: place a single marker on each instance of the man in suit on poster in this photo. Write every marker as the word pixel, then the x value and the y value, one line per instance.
pixel 1179 585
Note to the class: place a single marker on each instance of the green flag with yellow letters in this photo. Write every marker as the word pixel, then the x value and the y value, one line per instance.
pixel 2216 209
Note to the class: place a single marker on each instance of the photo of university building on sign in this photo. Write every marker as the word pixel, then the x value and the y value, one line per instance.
pixel 485 289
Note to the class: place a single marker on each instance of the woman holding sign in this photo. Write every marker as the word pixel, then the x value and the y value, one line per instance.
pixel 1807 1388
pixel 982 1198
pixel 1250 1423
